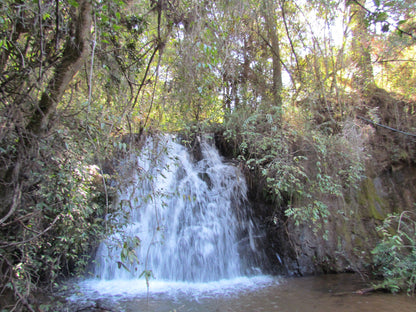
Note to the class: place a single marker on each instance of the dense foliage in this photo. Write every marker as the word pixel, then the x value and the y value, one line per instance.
pixel 283 80
pixel 395 255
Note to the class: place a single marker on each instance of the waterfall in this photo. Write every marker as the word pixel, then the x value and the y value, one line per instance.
pixel 184 219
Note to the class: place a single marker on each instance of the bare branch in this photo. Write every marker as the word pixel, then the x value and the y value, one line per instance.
pixel 386 22
pixel 15 203
pixel 386 127
pixel 6 244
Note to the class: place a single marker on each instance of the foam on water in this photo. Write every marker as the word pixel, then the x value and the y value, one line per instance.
pixel 124 289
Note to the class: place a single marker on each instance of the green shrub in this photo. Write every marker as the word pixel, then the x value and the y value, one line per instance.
pixel 395 255
pixel 303 168
pixel 58 220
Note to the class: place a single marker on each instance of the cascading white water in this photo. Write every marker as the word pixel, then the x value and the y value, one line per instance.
pixel 192 218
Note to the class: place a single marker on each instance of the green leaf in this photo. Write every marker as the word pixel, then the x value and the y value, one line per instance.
pixel 381 17
pixel 121 264
pixel 73 3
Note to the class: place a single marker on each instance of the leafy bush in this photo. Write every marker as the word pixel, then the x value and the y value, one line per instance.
pixel 303 167
pixel 58 220
pixel 395 255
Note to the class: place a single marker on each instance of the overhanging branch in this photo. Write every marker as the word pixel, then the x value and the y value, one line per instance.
pixel 386 127
pixel 386 22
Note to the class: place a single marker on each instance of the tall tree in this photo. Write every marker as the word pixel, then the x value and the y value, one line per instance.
pixel 361 48
pixel 268 11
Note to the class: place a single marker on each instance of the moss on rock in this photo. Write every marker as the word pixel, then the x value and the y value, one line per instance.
pixel 372 205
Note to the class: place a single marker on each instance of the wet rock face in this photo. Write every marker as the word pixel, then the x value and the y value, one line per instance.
pixel 345 244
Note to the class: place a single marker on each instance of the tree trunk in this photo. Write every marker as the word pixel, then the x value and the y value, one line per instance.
pixel 75 52
pixel 270 19
pixel 364 78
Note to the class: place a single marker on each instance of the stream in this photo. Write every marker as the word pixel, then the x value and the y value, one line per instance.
pixel 326 293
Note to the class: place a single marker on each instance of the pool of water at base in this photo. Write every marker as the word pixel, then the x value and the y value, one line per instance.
pixel 324 293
